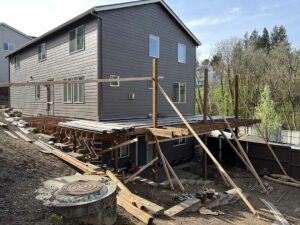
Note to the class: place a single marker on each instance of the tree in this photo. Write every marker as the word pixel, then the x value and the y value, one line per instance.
pixel 266 112
pixel 264 41
pixel 254 38
pixel 205 62
pixel 279 35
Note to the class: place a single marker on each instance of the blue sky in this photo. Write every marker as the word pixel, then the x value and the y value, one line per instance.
pixel 210 20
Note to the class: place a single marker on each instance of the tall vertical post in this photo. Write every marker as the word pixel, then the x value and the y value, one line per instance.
pixel 236 101
pixel 116 156
pixel 205 113
pixel 154 113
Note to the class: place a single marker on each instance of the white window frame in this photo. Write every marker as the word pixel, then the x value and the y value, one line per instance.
pixel 158 46
pixel 37 92
pixel 67 101
pixel 178 53
pixel 17 62
pixel 179 86
pixel 117 81
pixel 181 141
pixel 10 46
pixel 77 86
pixel 76 47
pixel 43 47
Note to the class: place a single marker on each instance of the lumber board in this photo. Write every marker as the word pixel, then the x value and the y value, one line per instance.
pixel 11 134
pixel 178 131
pixel 181 207
pixel 292 184
pixel 118 146
pixel 161 132
pixel 24 137
pixel 277 214
pixel 146 181
pixel 136 212
pixel 31 83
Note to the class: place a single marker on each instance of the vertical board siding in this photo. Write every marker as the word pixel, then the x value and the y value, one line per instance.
pixel 59 65
pixel 125 35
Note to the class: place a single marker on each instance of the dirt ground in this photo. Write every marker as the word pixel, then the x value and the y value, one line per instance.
pixel 23 169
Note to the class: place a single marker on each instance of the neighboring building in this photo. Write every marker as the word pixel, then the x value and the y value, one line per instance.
pixel 10 39
pixel 110 41
pixel 212 76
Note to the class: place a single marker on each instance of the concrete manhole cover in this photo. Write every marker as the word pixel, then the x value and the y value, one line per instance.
pixel 82 187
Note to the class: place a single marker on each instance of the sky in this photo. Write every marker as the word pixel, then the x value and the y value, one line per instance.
pixel 210 20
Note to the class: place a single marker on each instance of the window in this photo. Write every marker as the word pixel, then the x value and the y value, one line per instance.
pixel 180 141
pixel 37 92
pixel 181 53
pixel 179 92
pixel 17 62
pixel 8 46
pixel 68 92
pixel 153 46
pixel 76 39
pixel 114 83
pixel 42 52
pixel 123 152
pixel 149 84
pixel 78 91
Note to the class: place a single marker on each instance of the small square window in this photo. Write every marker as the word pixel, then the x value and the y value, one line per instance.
pixel 37 92
pixel 76 39
pixel 114 83
pixel 180 141
pixel 42 52
pixel 8 46
pixel 181 53
pixel 153 46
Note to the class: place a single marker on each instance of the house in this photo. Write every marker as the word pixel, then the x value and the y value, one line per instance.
pixel 112 41
pixel 10 39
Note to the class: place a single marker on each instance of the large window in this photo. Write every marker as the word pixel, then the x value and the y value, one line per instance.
pixel 181 53
pixel 78 91
pixel 42 52
pixel 154 46
pixel 76 39
pixel 17 62
pixel 179 92
pixel 180 141
pixel 74 93
pixel 8 46
pixel 114 83
pixel 37 92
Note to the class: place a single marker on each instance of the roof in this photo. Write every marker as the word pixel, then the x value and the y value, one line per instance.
pixel 112 126
pixel 105 8
pixel 14 29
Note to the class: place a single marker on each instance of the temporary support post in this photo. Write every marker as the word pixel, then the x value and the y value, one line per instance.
pixel 236 104
pixel 74 142
pixel 215 161
pixel 205 113
pixel 267 143
pixel 154 113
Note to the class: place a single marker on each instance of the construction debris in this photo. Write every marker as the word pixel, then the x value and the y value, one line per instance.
pixel 205 211
pixel 286 180
pixel 4 125
pixel 24 137
pixel 277 214
pixel 11 134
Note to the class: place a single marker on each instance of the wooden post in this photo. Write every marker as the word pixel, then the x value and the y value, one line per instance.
pixel 154 112
pixel 215 161
pixel 74 142
pixel 205 113
pixel 116 156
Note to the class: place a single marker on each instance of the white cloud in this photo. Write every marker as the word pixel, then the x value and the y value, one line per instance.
pixel 213 20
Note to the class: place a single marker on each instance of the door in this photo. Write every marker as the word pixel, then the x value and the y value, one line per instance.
pixel 50 101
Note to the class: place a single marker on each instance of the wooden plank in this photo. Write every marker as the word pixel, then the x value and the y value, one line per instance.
pixel 23 137
pixel 118 146
pixel 32 83
pixel 25 131
pixel 161 132
pixel 178 131
pixel 146 181
pixel 11 134
pixel 215 161
pixel 277 214
pixel 136 212
pixel 140 170
pixel 181 207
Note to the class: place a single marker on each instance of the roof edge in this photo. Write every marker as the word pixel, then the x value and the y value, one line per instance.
pixel 16 30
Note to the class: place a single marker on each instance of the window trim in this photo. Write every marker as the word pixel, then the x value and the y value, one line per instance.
pixel 45 47
pixel 178 59
pixel 17 62
pixel 179 85
pixel 37 97
pixel 179 144
pixel 114 77
pixel 76 31
pixel 158 38
pixel 8 46
pixel 67 84
pixel 78 87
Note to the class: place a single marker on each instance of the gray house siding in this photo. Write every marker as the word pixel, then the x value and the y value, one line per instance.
pixel 11 36
pixel 125 36
pixel 59 65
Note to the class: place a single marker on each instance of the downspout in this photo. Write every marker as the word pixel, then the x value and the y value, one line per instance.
pixel 99 67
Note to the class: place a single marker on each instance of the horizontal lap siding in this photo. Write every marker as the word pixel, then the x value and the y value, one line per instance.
pixel 58 66
pixel 125 35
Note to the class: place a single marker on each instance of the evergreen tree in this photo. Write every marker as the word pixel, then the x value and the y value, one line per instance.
pixel 254 38
pixel 264 41
pixel 279 35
